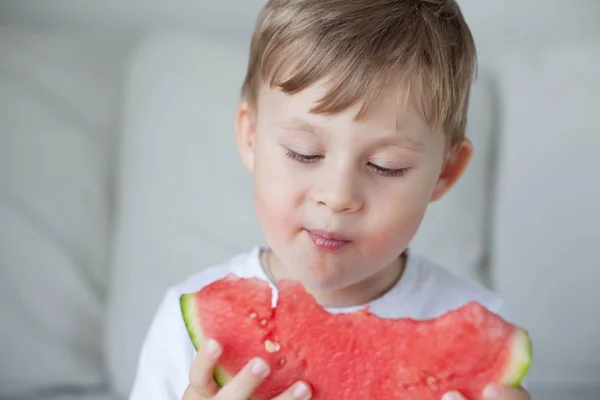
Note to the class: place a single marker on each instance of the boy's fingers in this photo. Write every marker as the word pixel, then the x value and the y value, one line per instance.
pixel 192 394
pixel 500 392
pixel 298 391
pixel 241 387
pixel 202 371
pixel 245 382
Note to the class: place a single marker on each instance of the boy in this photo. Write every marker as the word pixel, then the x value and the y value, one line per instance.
pixel 352 120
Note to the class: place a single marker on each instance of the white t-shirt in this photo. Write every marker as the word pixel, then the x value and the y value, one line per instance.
pixel 425 291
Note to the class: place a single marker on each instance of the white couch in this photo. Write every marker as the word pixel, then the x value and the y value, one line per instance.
pixel 119 179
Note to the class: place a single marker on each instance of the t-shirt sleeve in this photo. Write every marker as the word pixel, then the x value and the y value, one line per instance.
pixel 166 355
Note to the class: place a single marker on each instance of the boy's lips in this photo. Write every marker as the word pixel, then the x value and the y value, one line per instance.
pixel 326 240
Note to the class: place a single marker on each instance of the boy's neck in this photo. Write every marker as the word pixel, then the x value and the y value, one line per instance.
pixel 358 294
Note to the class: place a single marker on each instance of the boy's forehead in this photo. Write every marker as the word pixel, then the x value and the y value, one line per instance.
pixel 396 108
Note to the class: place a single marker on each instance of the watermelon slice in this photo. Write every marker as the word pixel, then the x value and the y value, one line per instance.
pixel 354 355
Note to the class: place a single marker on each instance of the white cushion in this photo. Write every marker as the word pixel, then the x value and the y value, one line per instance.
pixel 454 232
pixel 54 215
pixel 185 202
pixel 547 220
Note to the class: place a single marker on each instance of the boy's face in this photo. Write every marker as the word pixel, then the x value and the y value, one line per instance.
pixel 339 199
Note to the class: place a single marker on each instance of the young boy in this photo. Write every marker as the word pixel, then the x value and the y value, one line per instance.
pixel 352 121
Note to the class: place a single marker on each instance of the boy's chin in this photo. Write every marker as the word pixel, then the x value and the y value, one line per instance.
pixel 321 271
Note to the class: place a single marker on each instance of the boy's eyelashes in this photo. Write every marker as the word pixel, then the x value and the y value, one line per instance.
pixel 388 171
pixel 304 158
pixel 307 159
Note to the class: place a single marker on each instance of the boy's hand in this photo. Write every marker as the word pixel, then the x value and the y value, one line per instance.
pixel 495 392
pixel 203 386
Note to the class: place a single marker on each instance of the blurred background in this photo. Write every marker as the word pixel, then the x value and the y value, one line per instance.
pixel 119 177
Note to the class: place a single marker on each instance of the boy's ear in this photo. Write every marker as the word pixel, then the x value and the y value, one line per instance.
pixel 455 164
pixel 245 134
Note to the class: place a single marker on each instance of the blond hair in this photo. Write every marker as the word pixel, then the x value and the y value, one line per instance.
pixel 362 47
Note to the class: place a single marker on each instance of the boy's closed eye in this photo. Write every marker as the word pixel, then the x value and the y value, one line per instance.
pixel 388 171
pixel 303 158
pixel 312 158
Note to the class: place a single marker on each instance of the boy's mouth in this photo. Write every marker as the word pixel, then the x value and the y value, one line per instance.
pixel 329 241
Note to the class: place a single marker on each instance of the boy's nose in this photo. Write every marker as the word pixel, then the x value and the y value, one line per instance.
pixel 341 196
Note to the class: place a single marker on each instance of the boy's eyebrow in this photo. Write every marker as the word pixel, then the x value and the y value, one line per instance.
pixel 397 138
pixel 401 139
pixel 298 124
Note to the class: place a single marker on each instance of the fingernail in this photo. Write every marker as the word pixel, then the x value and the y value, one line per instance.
pixel 491 392
pixel 259 368
pixel 300 391
pixel 212 348
pixel 452 396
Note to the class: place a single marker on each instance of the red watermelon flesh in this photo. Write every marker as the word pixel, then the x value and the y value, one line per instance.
pixel 353 355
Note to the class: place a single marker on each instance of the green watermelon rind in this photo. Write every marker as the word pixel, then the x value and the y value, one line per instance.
pixel 521 356
pixel 190 317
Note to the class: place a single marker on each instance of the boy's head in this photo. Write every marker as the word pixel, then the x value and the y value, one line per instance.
pixel 352 120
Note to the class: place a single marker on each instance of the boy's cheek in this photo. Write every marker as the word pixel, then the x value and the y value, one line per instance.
pixel 392 235
pixel 276 209
pixel 395 218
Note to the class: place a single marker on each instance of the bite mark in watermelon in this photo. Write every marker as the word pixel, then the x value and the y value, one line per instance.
pixel 353 355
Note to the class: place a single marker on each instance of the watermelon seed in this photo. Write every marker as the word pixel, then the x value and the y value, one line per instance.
pixel 263 322
pixel 444 375
pixel 272 347
pixel 253 315
pixel 281 362
pixel 432 383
